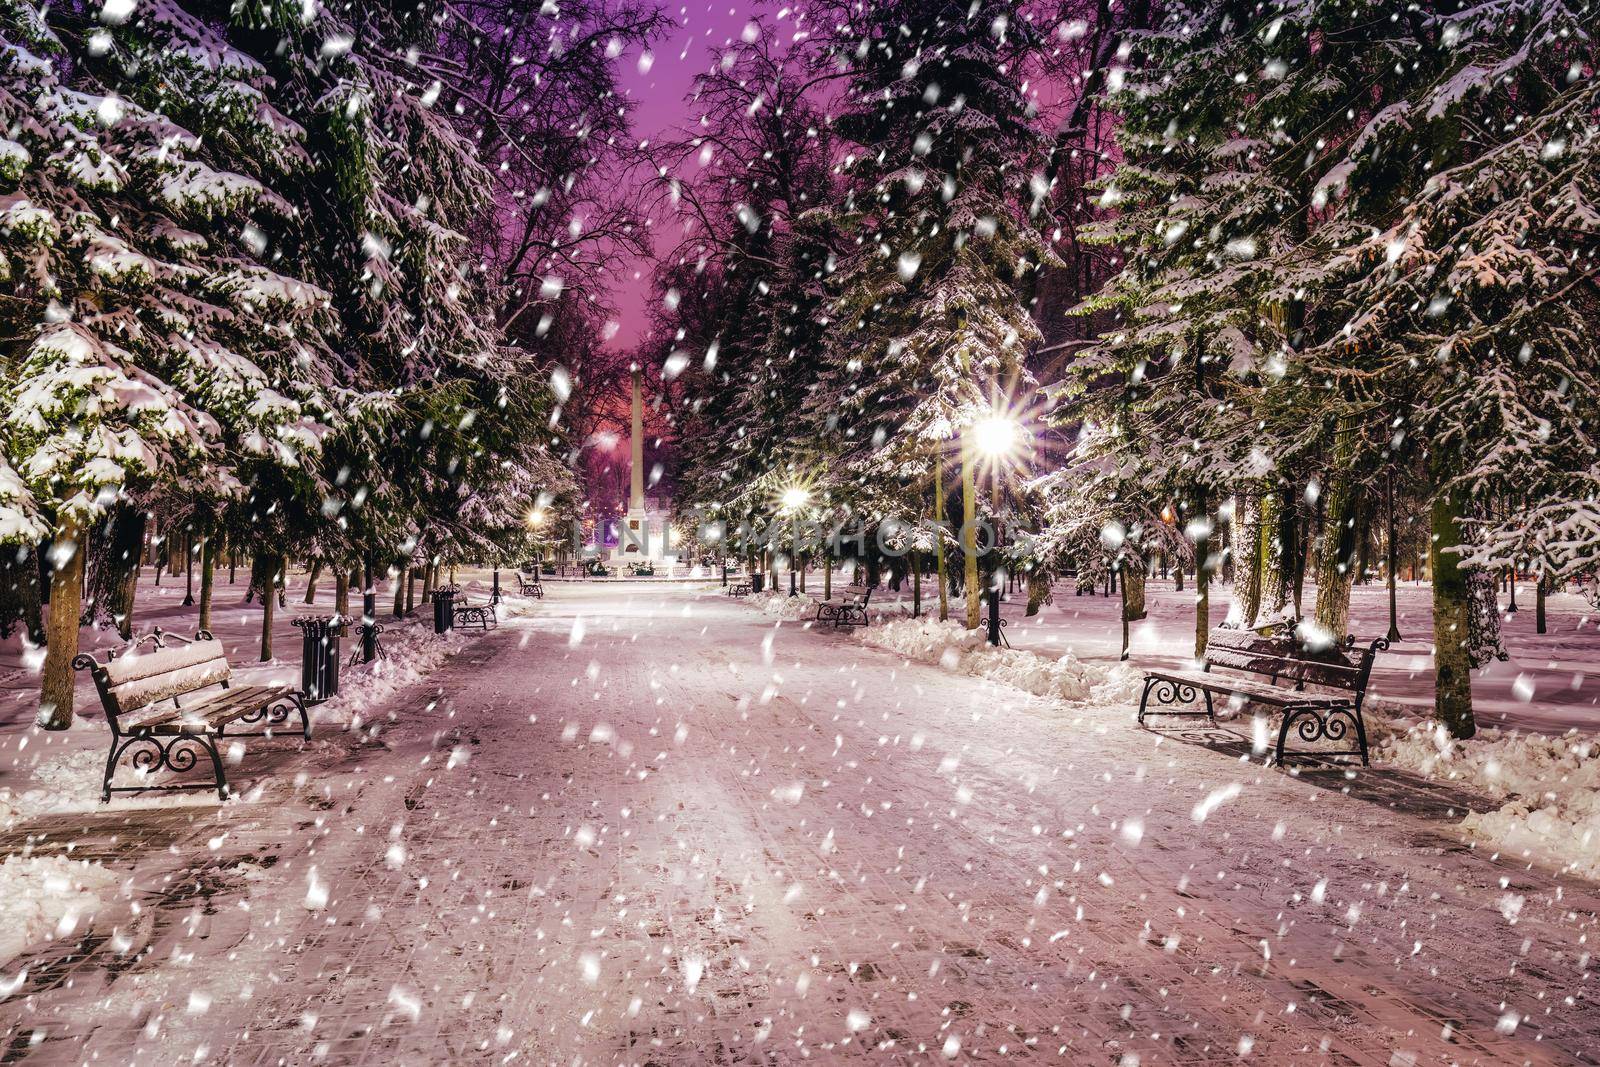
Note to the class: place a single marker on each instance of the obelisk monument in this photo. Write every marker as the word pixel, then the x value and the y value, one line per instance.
pixel 638 542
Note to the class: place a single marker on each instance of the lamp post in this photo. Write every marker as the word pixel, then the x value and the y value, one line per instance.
pixel 794 498
pixel 995 437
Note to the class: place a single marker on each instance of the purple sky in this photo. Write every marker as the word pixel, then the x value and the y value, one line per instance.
pixel 658 89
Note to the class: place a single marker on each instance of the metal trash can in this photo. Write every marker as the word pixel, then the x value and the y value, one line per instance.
pixel 757 581
pixel 319 656
pixel 444 609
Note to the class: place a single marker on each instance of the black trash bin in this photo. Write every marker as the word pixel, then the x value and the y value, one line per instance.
pixel 444 609
pixel 757 581
pixel 319 657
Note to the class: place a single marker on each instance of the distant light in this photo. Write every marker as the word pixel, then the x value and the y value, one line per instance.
pixel 795 497
pixel 536 518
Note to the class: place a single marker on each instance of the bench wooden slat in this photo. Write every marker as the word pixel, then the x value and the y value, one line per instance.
pixel 1279 696
pixel 218 710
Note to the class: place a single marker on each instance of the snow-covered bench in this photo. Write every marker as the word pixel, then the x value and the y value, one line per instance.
pixel 147 701
pixel 1276 671
pixel 530 585
pixel 739 589
pixel 850 610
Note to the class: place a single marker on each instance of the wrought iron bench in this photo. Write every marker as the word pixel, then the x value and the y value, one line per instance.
pixel 464 613
pixel 850 611
pixel 1276 671
pixel 530 586
pixel 740 589
pixel 146 700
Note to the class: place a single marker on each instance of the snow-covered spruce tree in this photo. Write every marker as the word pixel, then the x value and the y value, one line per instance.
pixel 146 336
pixel 1459 252
pixel 1102 511
pixel 929 328
pixel 749 282
pixel 394 188
pixel 1387 207
pixel 1179 386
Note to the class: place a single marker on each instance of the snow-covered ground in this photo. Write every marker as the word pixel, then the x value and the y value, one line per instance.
pixel 1541 771
pixel 46 773
pixel 650 825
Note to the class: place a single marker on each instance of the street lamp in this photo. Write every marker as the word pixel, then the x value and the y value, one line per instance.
pixel 995 436
pixel 794 498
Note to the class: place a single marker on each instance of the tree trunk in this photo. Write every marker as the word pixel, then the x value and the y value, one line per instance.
pixel 1275 547
pixel 916 586
pixel 1303 527
pixel 1125 609
pixel 61 629
pixel 1391 565
pixel 399 594
pixel 114 575
pixel 1336 551
pixel 260 580
pixel 208 578
pixel 1248 534
pixel 938 541
pixel 311 581
pixel 188 568
pixel 969 535
pixel 827 576
pixel 411 590
pixel 1133 588
pixel 1452 690
pixel 341 592
pixel 1202 582
pixel 268 567
pixel 1538 604
pixel 1483 618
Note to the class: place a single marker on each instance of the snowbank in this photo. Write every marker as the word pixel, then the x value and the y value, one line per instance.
pixel 1550 785
pixel 413 651
pixel 44 897
pixel 955 648
pixel 780 605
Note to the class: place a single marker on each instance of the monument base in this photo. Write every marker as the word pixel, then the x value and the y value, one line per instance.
pixel 643 539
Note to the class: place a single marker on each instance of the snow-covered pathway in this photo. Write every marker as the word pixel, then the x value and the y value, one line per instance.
pixel 646 826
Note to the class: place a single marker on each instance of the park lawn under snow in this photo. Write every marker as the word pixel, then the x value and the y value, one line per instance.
pixel 45 897
pixel 1548 786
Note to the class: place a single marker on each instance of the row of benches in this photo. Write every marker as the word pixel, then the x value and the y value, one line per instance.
pixel 172 706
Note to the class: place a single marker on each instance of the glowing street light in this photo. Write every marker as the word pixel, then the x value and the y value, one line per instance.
pixel 996 435
pixel 794 498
